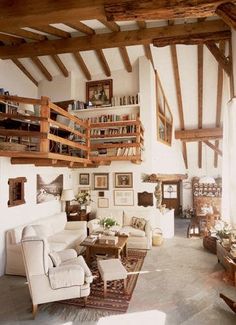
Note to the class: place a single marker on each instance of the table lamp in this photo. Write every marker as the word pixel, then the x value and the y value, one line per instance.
pixel 67 195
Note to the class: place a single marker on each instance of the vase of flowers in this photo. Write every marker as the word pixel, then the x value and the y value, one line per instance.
pixel 222 231
pixel 83 198
pixel 108 223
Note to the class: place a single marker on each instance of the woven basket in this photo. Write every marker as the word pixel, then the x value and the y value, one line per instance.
pixel 11 146
pixel 209 243
pixel 157 237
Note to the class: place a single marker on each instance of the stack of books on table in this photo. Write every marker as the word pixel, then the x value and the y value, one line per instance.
pixel 111 240
pixel 91 239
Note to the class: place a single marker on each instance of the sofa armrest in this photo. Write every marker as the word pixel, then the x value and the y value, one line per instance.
pixel 93 225
pixel 66 276
pixel 67 254
pixel 73 225
pixel 87 272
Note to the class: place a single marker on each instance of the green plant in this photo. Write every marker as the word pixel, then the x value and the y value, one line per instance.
pixel 222 229
pixel 108 222
pixel 84 197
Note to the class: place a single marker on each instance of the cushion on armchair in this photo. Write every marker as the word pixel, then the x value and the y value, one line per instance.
pixel 138 223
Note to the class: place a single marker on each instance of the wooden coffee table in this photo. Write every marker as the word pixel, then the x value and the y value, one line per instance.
pixel 98 248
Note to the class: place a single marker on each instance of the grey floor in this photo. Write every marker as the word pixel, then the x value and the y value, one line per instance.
pixel 178 284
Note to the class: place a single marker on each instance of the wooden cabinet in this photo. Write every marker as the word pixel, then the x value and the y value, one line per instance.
pixel 75 214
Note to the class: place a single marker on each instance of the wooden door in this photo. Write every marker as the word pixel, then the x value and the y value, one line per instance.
pixel 171 195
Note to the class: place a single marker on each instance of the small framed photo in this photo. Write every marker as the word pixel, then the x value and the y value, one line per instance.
pixel 83 179
pixel 101 194
pixel 101 181
pixel 99 93
pixel 123 180
pixel 103 202
pixel 124 197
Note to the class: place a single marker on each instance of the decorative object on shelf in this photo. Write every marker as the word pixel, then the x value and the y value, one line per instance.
pixel 67 195
pixel 158 194
pixel 207 180
pixel 103 202
pixel 99 93
pixel 124 197
pixel 84 178
pixel 101 181
pixel 123 180
pixel 154 178
pixel 83 198
pixel 108 222
pixel 125 100
pixel 145 199
pixel 25 109
pixel 16 191
pixel 49 187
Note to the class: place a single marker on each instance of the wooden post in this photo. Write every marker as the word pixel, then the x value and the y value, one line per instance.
pixel 88 132
pixel 44 125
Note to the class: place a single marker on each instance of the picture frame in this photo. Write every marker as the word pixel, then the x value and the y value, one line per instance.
pixel 101 181
pixel 99 93
pixel 123 197
pixel 123 180
pixel 170 191
pixel 84 178
pixel 103 202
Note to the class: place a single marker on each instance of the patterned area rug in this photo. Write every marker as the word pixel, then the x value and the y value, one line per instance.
pixel 116 299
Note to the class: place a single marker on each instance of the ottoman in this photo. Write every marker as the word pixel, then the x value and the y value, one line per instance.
pixel 111 270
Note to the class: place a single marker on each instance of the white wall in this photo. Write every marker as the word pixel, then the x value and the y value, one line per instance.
pixel 10 217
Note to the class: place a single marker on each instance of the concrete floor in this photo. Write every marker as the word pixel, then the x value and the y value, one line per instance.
pixel 179 284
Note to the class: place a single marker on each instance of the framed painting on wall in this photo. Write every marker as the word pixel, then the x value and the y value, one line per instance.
pixel 123 180
pixel 83 179
pixel 49 187
pixel 101 181
pixel 103 202
pixel 99 93
pixel 124 197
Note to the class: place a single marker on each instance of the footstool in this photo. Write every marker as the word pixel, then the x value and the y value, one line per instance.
pixel 111 270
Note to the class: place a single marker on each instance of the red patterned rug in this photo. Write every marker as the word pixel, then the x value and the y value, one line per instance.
pixel 116 299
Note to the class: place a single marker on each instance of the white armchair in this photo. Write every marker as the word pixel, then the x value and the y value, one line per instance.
pixel 53 276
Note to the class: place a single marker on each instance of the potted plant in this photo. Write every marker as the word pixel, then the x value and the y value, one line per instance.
pixel 222 231
pixel 107 223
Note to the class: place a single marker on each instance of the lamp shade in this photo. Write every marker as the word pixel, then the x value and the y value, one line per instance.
pixel 26 109
pixel 67 195
pixel 207 180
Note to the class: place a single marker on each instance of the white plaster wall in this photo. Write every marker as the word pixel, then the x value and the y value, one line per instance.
pixel 10 217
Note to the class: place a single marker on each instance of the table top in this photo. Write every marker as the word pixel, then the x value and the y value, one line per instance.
pixel 122 240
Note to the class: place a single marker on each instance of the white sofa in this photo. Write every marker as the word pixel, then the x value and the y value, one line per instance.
pixel 138 239
pixel 59 233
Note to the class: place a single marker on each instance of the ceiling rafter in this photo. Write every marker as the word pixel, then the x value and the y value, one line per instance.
pixel 114 27
pixel 174 58
pixel 60 65
pixel 52 31
pixel 82 65
pixel 103 62
pixel 23 33
pixel 25 71
pixel 41 68
pixel 200 99
pixel 210 145
pixel 220 57
pixel 147 47
pixel 227 12
pixel 107 40
pixel 81 27
pixel 125 58
pixel 11 40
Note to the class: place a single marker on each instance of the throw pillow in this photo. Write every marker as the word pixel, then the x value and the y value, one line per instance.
pixel 56 260
pixel 138 223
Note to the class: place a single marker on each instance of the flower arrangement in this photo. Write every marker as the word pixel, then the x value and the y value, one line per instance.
pixel 84 198
pixel 108 222
pixel 222 230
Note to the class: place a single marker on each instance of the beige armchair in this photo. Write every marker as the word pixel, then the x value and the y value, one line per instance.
pixel 53 276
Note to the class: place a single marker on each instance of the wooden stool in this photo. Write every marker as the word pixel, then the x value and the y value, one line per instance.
pixel 193 228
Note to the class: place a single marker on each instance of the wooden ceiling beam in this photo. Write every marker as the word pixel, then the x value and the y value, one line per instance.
pixel 60 65
pixel 23 33
pixel 217 150
pixel 144 10
pixel 199 134
pixel 114 27
pixel 11 40
pixel 227 12
pixel 200 99
pixel 52 31
pixel 42 68
pixel 125 57
pixel 25 71
pixel 81 27
pixel 107 40
pixel 102 59
pixel 147 48
pixel 141 24
pixel 82 65
pixel 220 58
pixel 194 39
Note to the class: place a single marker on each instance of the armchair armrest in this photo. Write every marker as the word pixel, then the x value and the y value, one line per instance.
pixel 87 272
pixel 67 254
pixel 65 276
pixel 93 225
pixel 73 225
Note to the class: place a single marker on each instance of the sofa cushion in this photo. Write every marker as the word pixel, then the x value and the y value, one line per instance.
pixel 133 231
pixel 57 246
pixel 55 257
pixel 41 230
pixel 138 223
pixel 65 236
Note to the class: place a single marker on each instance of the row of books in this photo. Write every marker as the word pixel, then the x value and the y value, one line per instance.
pixel 111 152
pixel 114 130
pixel 113 118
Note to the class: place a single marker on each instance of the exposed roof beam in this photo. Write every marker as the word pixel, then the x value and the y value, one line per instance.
pixel 227 12
pixel 144 9
pixel 179 98
pixel 101 41
pixel 125 58
pixel 220 58
pixel 82 65
pixel 200 98
pixel 60 65
pixel 110 24
pixel 147 48
pixel 77 25
pixel 199 134
pixel 194 39
pixel 103 62
pixel 42 68
pixel 141 24
pixel 7 39
pixel 52 30
pixel 25 71
pixel 217 150
pixel 23 33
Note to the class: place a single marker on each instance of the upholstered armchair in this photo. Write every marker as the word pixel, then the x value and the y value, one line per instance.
pixel 53 276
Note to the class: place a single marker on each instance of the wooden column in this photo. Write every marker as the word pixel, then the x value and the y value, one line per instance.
pixel 44 125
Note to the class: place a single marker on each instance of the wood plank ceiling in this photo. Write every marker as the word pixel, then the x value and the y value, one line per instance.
pixel 29 31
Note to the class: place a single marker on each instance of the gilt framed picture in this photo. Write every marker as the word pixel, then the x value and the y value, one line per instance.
pixel 123 180
pixel 99 93
pixel 101 181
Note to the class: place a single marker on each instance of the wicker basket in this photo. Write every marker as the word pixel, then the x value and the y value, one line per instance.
pixel 157 237
pixel 11 146
pixel 209 243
